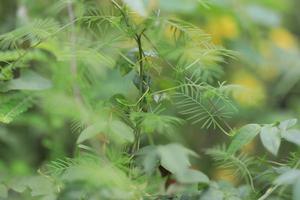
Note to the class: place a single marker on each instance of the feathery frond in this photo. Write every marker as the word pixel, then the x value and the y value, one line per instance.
pixel 34 32
pixel 205 104
pixel 239 163
pixel 13 105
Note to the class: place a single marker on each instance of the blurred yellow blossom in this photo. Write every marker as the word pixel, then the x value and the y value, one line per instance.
pixel 283 38
pixel 225 175
pixel 268 72
pixel 252 93
pixel 222 27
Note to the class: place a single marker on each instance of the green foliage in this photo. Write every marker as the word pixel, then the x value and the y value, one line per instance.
pixel 13 105
pixel 103 88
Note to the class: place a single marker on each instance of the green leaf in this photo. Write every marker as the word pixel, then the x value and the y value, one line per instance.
pixel 270 138
pixel 192 176
pixel 243 136
pixel 28 80
pixel 296 190
pixel 292 135
pixel 288 177
pixel 90 132
pixel 3 191
pixel 121 132
pixel 115 129
pixel 174 157
pixel 149 159
pixel 212 193
pixel 284 125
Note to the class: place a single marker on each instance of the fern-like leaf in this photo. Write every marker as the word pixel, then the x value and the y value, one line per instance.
pixel 12 106
pixel 239 163
pixel 204 104
pixel 34 32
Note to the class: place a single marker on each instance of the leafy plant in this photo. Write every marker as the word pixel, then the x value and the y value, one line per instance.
pixel 124 76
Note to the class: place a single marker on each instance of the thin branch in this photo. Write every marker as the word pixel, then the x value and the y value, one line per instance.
pixel 73 61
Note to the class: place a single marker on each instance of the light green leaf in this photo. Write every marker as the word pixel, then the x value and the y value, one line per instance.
pixel 115 129
pixel 121 131
pixel 288 177
pixel 296 190
pixel 292 135
pixel 243 136
pixel 270 138
pixel 3 191
pixel 286 124
pixel 149 158
pixel 28 80
pixel 90 132
pixel 174 157
pixel 212 194
pixel 192 176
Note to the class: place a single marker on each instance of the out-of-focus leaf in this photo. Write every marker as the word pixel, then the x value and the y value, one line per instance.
pixel 121 131
pixel 192 176
pixel 13 107
pixel 286 124
pixel 212 194
pixel 263 15
pixel 115 129
pixel 28 80
pixel 292 135
pixel 38 185
pixel 243 136
pixel 296 190
pixel 288 177
pixel 3 191
pixel 175 158
pixel 149 158
pixel 270 138
pixel 89 133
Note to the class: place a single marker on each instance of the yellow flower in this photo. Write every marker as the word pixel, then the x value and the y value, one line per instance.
pixel 283 38
pixel 249 148
pixel 268 73
pixel 252 93
pixel 223 27
pixel 226 175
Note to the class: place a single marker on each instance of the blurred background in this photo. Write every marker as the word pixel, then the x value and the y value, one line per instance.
pixel 263 35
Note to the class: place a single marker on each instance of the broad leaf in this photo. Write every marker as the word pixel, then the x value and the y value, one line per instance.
pixel 174 157
pixel 292 135
pixel 149 159
pixel 243 136
pixel 270 138
pixel 286 124
pixel 288 177
pixel 115 129
pixel 3 191
pixel 90 132
pixel 192 176
pixel 28 80
pixel 121 132
pixel 296 190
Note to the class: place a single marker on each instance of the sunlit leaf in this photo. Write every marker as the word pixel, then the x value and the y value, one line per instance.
pixel 243 136
pixel 270 138
pixel 292 135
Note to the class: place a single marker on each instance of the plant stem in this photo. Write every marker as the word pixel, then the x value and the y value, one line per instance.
pixel 141 104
